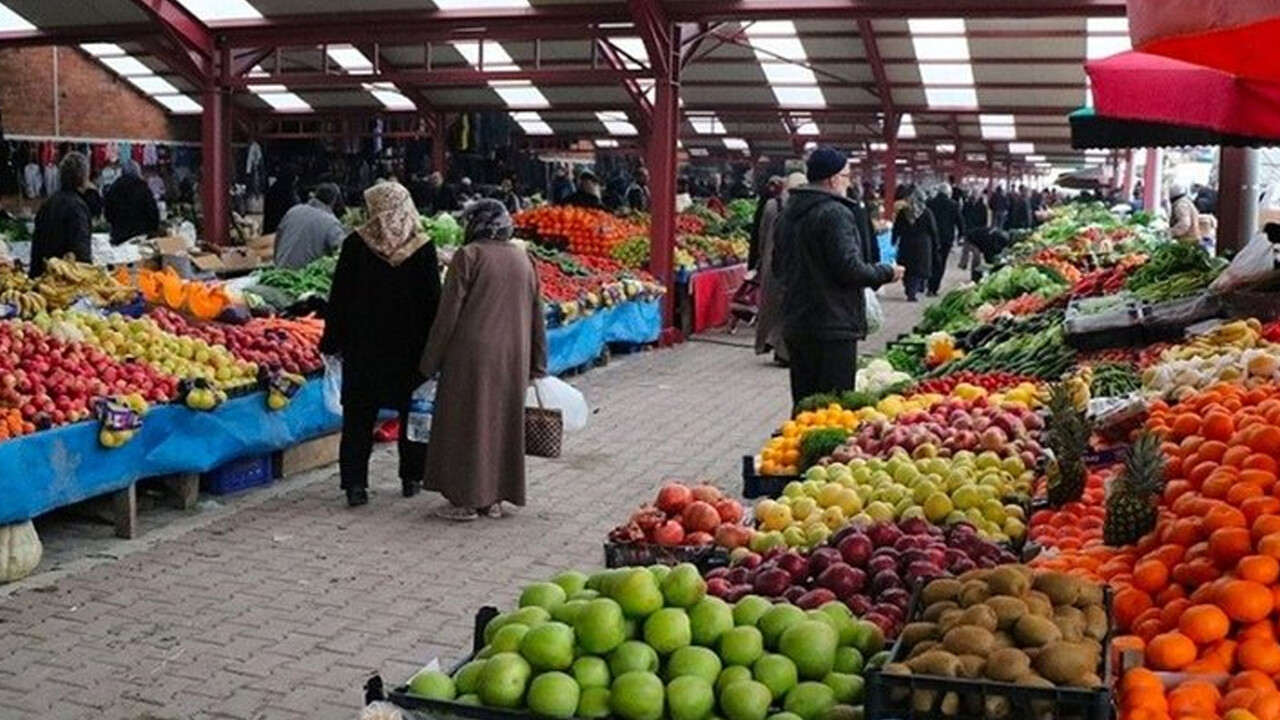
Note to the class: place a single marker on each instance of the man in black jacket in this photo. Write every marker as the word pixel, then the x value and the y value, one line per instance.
pixel 130 207
pixel 819 253
pixel 587 194
pixel 63 225
pixel 946 213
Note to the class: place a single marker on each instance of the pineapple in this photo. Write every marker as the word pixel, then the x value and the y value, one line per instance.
pixel 1131 502
pixel 1068 438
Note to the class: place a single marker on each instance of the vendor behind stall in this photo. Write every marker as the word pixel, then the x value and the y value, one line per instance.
pixel 310 231
pixel 63 224
pixel 130 206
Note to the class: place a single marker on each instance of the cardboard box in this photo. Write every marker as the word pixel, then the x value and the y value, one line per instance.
pixel 239 258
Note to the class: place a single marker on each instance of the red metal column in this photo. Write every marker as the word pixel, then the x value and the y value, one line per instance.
pixel 1153 180
pixel 1238 193
pixel 214 181
pixel 661 161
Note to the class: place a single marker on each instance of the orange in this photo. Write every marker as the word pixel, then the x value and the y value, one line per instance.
pixel 1241 698
pixel 1150 576
pixel 1245 601
pixel 1204 624
pixel 1170 651
pixel 1218 426
pixel 1253 680
pixel 1259 654
pixel 1259 568
pixel 1258 461
pixel 1259 507
pixel 1228 545
pixel 1265 439
pixel 1244 491
pixel 1221 515
pixel 1212 451
pixel 1185 424
pixel 1128 604
pixel 1270 545
pixel 1264 525
pixel 1194 697
pixel 1266 707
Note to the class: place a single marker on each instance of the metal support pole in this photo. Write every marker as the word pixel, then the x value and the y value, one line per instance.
pixel 439 144
pixel 1238 193
pixel 1153 180
pixel 890 177
pixel 661 161
pixel 1130 176
pixel 214 182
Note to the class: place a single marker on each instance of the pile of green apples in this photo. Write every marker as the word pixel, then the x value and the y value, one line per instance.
pixel 964 488
pixel 650 644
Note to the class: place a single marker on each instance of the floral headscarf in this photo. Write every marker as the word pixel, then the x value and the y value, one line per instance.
pixel 487 220
pixel 393 232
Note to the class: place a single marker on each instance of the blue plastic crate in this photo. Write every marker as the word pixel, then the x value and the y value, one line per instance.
pixel 237 475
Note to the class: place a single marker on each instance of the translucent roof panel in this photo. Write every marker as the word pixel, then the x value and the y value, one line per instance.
pixel 153 85
pixel 966 98
pixel 103 49
pixel 479 4
pixel 907 127
pixel 219 10
pixel 800 96
pixel 178 103
pixel 616 123
pixel 11 21
pixel 736 144
pixel 632 50
pixel 494 57
pixel 125 66
pixel 946 73
pixel 936 26
pixel 1022 148
pixel 532 123
pixel 390 96
pixel 707 125
pixel 350 59
pixel 520 94
pixel 941 48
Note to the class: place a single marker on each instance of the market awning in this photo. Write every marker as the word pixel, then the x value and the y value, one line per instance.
pixel 1141 87
pixel 1092 131
pixel 1235 36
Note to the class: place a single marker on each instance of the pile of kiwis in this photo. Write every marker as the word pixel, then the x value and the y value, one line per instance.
pixel 1009 624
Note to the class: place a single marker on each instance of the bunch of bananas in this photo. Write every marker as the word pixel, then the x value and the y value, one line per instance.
pixel 1079 388
pixel 1237 335
pixel 13 279
pixel 29 304
pixel 66 280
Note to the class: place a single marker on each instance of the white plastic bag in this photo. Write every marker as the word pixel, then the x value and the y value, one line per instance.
pixel 557 394
pixel 1258 261
pixel 333 383
pixel 875 313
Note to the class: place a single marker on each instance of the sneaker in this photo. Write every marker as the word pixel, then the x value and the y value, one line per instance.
pixel 457 514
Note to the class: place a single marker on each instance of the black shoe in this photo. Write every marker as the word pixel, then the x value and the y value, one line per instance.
pixel 912 298
pixel 357 497
pixel 933 294
pixel 409 488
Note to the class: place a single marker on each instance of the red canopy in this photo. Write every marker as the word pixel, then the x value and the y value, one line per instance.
pixel 1236 36
pixel 1153 88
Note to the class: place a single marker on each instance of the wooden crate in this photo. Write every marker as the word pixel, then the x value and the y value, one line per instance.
pixel 309 455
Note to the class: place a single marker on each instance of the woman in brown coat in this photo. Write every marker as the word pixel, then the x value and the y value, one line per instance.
pixel 488 342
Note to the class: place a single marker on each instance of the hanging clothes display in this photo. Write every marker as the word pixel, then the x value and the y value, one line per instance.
pixel 32 180
pixel 150 155
pixel 52 180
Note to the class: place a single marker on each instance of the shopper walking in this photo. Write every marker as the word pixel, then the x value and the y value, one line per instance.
pixel 950 226
pixel 130 207
pixel 999 208
pixel 488 342
pixel 976 215
pixel 63 226
pixel 385 293
pixel 916 236
pixel 819 256
pixel 1019 210
pixel 769 337
pixel 770 192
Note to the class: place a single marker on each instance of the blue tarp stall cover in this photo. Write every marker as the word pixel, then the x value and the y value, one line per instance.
pixel 584 340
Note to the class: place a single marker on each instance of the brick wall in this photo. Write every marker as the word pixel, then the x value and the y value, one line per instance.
pixel 93 101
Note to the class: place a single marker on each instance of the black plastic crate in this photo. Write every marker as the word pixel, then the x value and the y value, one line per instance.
pixel 241 474
pixel 758 486
pixel 889 697
pixel 705 557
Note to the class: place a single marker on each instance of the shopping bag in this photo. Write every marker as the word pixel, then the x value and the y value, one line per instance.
pixel 557 394
pixel 333 383
pixel 1258 262
pixel 543 429
pixel 875 313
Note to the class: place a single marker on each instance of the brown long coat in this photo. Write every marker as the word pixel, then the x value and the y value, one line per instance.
pixel 488 341
pixel 769 310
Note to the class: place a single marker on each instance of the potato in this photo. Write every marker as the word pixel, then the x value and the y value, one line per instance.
pixel 940 590
pixel 1035 631
pixel 950 705
pixel 972 666
pixel 1002 639
pixel 1008 580
pixel 997 707
pixel 968 640
pixel 1007 610
pixel 1070 621
pixel 922 701
pixel 1007 664
pixel 1095 622
pixel 1065 663
pixel 935 662
pixel 935 611
pixel 917 632
pixel 982 616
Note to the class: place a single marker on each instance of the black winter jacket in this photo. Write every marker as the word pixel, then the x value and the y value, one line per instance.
pixel 62 227
pixel 819 254
pixel 917 242
pixel 947 218
pixel 131 209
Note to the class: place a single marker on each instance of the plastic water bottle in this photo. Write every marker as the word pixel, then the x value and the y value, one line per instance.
pixel 422 406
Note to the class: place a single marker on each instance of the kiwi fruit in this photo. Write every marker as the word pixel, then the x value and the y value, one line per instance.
pixel 1039 604
pixel 917 632
pixel 922 701
pixel 1065 663
pixel 1007 610
pixel 975 574
pixel 935 662
pixel 1061 589
pixel 1007 664
pixel 968 640
pixel 1035 631
pixel 972 666
pixel 935 610
pixel 924 647
pixel 1002 639
pixel 940 590
pixel 982 616
pixel 948 620
pixel 1095 622
pixel 950 705
pixel 1070 621
pixel 1008 580
pixel 1088 680
pixel 1090 594
pixel 973 593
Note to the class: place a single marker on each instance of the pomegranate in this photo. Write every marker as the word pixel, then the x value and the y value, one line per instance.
pixel 707 493
pixel 699 516
pixel 730 511
pixel 669 533
pixel 674 498
pixel 732 536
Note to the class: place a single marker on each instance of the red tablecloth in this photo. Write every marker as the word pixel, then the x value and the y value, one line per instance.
pixel 711 290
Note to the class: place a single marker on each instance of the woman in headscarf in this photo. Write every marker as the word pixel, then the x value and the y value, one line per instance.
pixel 916 237
pixel 772 290
pixel 488 342
pixel 386 290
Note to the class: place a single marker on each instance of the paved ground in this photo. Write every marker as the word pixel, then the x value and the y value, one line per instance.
pixel 280 603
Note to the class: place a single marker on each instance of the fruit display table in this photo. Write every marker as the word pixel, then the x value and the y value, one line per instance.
pixel 584 340
pixel 58 467
pixel 705 295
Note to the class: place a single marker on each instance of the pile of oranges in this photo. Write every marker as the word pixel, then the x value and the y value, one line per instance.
pixel 586 231
pixel 1201 594
pixel 781 455
pixel 12 425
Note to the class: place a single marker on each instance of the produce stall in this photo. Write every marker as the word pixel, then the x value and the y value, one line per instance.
pixel 998 523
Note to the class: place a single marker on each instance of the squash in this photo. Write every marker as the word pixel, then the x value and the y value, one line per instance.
pixel 20 551
pixel 173 289
pixel 206 302
pixel 149 284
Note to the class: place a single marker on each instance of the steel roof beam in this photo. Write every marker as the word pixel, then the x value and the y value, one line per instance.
pixel 643 111
pixel 452 78
pixel 43 37
pixel 710 10
pixel 179 23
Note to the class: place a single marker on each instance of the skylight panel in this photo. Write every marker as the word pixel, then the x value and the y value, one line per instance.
pixel 101 50
pixel 878 147
pixel 532 123
pixel 616 123
pixel 1022 148
pixel 495 57
pixel 177 103
pixel 698 152
pixel 632 51
pixel 907 127
pixel 480 4
pixel 220 10
pixel 806 126
pixel 390 96
pixel 126 66
pixel 350 59
pixel 707 125
pixel 940 97
pixel 941 48
pixel 945 149
pixel 1035 158
pixel 607 143
pixel 153 85
pixel 520 94
pixel 781 73
pixel 936 26
pixel 789 48
pixel 736 144
pixel 997 127
pixel 280 98
pixel 946 73
pixel 800 96
pixel 11 21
